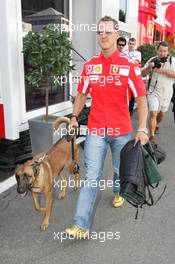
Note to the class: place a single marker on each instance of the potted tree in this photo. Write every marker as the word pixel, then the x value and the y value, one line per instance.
pixel 47 56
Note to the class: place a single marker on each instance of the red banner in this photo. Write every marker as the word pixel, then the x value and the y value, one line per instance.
pixel 170 19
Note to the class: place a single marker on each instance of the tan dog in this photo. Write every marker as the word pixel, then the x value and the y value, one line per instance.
pixel 37 174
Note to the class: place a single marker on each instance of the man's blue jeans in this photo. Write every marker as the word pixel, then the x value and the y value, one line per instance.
pixel 94 156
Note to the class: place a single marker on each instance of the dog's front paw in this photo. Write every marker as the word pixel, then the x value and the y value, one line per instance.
pixel 44 226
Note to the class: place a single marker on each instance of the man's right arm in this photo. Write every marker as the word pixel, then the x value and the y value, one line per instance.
pixel 83 89
pixel 146 70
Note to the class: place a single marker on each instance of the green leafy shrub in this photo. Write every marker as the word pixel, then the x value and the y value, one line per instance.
pixel 147 51
pixel 47 56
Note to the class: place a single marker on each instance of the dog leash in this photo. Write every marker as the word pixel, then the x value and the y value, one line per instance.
pixel 70 136
pixel 76 167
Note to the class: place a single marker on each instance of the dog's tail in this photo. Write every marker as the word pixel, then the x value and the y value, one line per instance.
pixel 59 121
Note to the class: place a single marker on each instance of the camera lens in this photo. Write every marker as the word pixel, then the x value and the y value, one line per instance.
pixel 163 59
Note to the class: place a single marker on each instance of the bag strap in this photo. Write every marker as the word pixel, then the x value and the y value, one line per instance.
pixel 149 80
pixel 164 189
pixel 149 201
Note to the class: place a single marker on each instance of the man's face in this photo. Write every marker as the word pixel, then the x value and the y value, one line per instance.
pixel 162 52
pixel 131 45
pixel 120 45
pixel 107 35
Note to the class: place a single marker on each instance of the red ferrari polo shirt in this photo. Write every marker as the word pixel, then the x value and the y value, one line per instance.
pixel 110 81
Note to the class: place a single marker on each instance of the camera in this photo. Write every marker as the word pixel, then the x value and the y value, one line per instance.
pixel 158 62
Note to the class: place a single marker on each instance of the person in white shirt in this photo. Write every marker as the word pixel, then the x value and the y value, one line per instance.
pixel 134 55
pixel 161 71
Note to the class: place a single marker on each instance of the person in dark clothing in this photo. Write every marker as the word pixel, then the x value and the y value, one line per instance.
pixel 121 43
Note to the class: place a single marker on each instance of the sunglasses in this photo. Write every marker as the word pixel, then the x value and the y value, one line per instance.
pixel 121 45
pixel 107 32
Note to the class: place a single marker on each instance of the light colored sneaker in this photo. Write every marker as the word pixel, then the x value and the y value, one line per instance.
pixel 77 232
pixel 117 201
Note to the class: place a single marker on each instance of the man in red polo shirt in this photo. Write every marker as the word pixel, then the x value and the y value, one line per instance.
pixel 110 78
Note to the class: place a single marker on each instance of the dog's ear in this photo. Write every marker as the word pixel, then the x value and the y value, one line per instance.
pixel 18 167
pixel 36 168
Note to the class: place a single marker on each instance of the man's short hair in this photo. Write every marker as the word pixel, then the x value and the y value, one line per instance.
pixel 132 39
pixel 162 44
pixel 121 39
pixel 109 18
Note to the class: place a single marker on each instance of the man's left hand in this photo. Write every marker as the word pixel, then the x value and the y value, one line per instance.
pixel 167 72
pixel 142 137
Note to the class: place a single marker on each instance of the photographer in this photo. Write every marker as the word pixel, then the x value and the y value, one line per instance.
pixel 161 70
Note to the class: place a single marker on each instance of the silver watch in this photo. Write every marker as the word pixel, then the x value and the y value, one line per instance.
pixel 144 130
